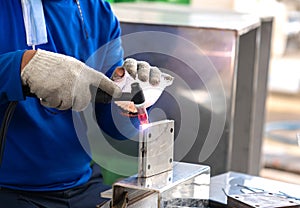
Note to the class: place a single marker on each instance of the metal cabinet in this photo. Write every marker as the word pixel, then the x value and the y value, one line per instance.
pixel 215 59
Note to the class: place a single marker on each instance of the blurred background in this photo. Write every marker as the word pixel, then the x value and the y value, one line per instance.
pixel 280 149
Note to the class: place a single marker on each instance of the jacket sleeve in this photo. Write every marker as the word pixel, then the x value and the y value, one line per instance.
pixel 109 116
pixel 10 79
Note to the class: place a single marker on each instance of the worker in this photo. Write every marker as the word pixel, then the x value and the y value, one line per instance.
pixel 44 45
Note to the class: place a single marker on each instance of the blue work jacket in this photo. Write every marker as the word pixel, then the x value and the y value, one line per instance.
pixel 42 150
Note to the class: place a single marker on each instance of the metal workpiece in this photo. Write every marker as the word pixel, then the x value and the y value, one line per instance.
pixel 186 185
pixel 262 200
pixel 156 148
pixel 161 182
pixel 238 188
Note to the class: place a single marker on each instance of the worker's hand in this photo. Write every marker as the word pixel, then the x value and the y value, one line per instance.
pixel 63 82
pixel 140 69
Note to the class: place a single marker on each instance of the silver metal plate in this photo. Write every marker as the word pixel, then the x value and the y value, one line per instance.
pixel 156 141
pixel 261 200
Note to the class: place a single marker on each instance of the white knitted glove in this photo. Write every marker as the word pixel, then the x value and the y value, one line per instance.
pixel 63 82
pixel 140 69
pixel 151 80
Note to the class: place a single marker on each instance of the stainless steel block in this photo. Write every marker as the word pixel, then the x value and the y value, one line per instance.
pixel 186 185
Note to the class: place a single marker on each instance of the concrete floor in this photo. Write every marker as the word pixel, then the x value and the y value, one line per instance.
pixel 281 158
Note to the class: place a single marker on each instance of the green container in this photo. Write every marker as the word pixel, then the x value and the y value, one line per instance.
pixel 117 164
pixel 109 177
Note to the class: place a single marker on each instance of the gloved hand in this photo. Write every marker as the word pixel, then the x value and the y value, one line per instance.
pixel 63 82
pixel 141 69
pixel 151 80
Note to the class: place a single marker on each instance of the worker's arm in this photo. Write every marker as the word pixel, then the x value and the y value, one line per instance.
pixel 27 56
